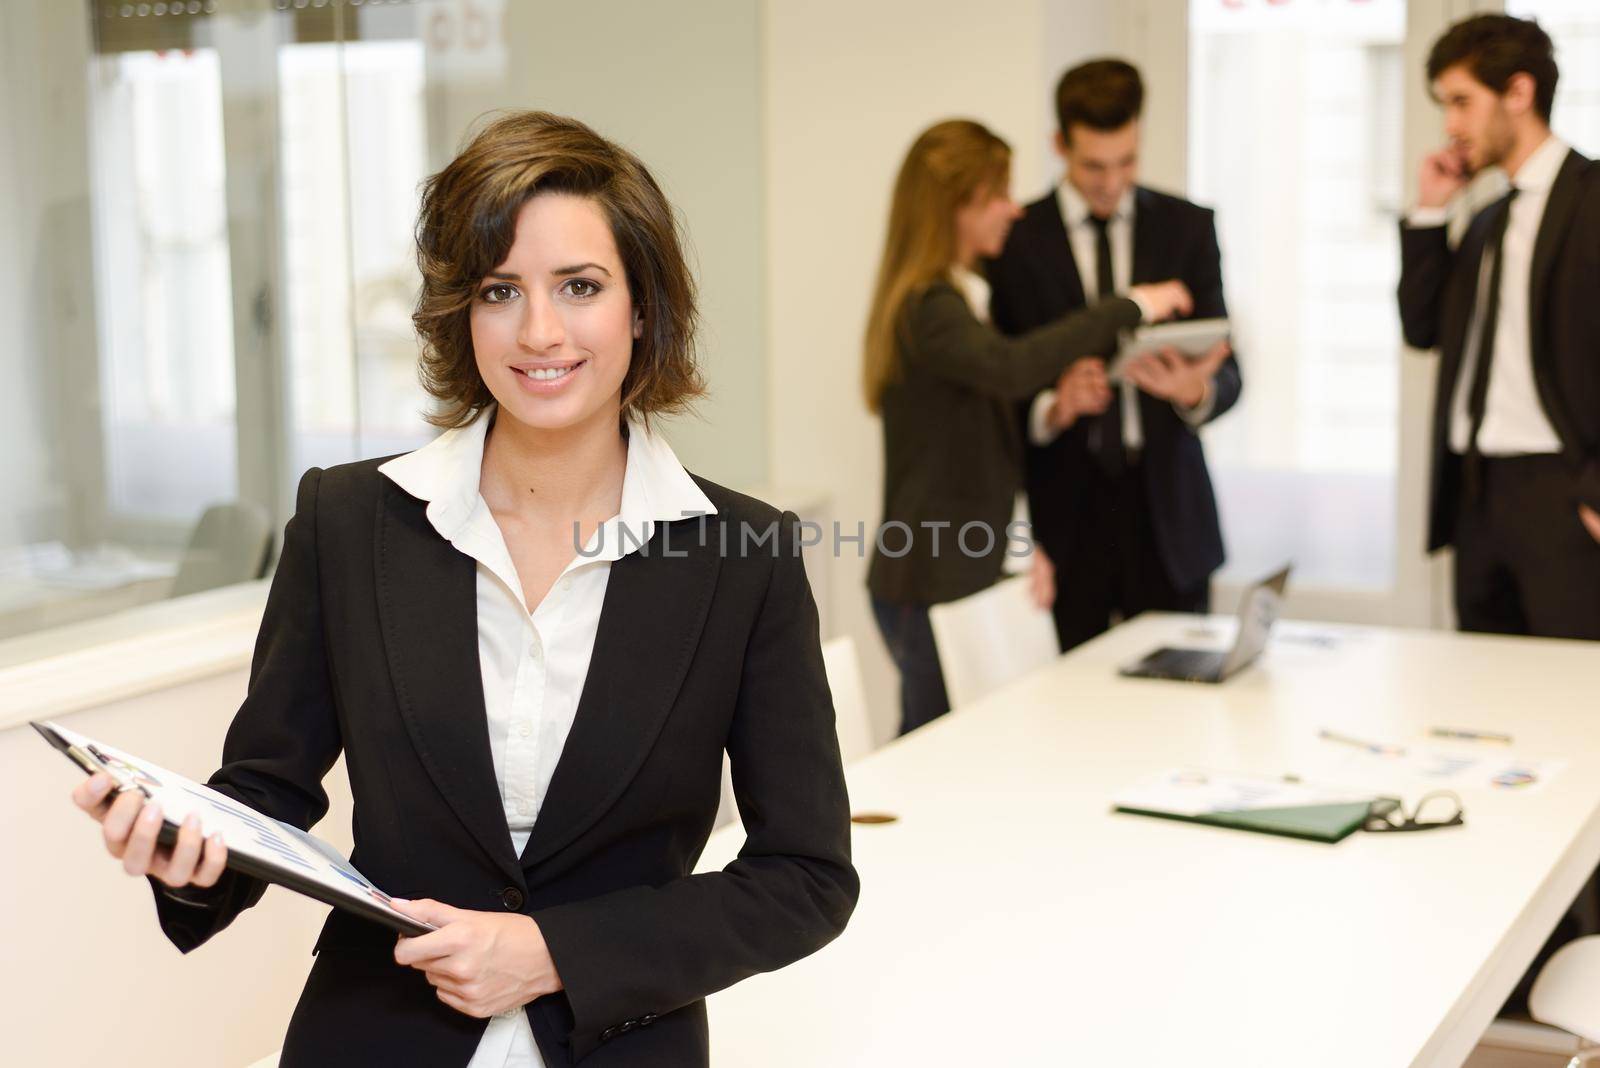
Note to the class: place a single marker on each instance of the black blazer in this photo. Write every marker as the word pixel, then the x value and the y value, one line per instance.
pixel 1036 279
pixel 952 448
pixel 1438 288
pixel 369 645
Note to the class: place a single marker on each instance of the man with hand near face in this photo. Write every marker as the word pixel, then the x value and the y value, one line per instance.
pixel 1514 311
pixel 1118 489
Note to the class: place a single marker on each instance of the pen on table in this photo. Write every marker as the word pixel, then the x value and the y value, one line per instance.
pixel 1471 736
pixel 1361 743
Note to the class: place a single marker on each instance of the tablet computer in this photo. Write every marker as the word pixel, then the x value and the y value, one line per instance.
pixel 1192 337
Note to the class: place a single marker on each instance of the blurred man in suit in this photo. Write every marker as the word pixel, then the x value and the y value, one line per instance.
pixel 1514 311
pixel 1118 490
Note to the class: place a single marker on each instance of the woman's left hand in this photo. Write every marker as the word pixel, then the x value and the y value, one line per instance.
pixel 480 963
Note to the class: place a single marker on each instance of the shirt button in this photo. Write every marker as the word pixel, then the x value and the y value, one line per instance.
pixel 523 808
pixel 524 730
pixel 533 650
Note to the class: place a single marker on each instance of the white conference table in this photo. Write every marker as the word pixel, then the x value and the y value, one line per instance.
pixel 1009 917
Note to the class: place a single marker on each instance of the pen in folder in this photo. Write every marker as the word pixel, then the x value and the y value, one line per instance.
pixel 1471 736
pixel 1361 743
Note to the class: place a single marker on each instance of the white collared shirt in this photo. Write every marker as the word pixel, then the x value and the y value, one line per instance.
pixel 534 663
pixel 975 288
pixel 1082 239
pixel 1514 419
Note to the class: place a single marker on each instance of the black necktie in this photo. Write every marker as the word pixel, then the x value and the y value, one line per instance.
pixel 1478 394
pixel 1105 430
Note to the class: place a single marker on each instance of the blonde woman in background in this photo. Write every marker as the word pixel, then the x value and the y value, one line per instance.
pixel 947 386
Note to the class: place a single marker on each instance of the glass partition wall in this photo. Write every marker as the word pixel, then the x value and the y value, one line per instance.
pixel 207 281
pixel 216 283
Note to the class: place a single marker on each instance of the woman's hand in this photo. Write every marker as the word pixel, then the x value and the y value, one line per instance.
pixel 1082 389
pixel 480 963
pixel 130 827
pixel 1163 300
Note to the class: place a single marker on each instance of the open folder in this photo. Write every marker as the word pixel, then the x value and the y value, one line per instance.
pixel 1247 803
pixel 258 845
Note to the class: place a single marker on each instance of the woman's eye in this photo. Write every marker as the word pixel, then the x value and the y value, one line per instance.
pixel 498 293
pixel 581 288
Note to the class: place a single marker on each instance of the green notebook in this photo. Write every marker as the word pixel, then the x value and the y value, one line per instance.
pixel 1247 803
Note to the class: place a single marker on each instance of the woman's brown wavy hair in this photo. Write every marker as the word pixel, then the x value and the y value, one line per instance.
pixel 465 229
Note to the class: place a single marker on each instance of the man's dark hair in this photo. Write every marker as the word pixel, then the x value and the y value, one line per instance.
pixel 1102 94
pixel 1493 48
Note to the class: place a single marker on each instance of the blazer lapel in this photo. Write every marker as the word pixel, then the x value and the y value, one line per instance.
pixel 655 608
pixel 428 610
pixel 1553 229
pixel 1147 259
pixel 1058 271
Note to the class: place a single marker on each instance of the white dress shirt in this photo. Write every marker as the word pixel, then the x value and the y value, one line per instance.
pixel 1082 239
pixel 534 662
pixel 1514 419
pixel 975 288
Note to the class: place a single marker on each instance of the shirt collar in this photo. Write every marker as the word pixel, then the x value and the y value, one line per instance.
pixel 1538 172
pixel 975 288
pixel 1075 210
pixel 447 473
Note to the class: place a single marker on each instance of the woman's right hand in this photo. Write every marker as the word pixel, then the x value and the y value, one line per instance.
pixel 1082 389
pixel 1163 300
pixel 130 827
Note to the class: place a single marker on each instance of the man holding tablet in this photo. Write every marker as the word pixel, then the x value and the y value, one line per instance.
pixel 1118 490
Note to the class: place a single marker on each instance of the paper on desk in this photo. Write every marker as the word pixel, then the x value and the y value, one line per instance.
pixel 1434 766
pixel 1194 792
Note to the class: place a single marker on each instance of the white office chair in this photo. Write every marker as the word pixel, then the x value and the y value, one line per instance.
pixel 849 709
pixel 853 724
pixel 231 543
pixel 1567 995
pixel 991 638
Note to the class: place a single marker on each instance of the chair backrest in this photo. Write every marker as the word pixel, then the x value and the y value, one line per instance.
pixel 231 543
pixel 854 725
pixel 991 638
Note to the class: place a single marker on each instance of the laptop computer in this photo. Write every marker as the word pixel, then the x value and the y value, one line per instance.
pixel 1257 612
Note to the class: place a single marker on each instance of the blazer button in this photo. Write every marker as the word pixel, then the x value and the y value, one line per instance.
pixel 511 898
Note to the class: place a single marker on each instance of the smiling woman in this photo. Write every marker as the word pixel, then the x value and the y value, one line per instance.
pixel 534 639
pixel 473 248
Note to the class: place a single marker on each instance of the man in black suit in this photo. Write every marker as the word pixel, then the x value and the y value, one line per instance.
pixel 1118 490
pixel 1514 310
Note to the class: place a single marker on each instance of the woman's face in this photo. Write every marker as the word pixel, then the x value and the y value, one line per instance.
pixel 553 325
pixel 983 222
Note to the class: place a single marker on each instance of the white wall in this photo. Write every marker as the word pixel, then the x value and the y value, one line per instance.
pixel 848 86
pixel 89 970
pixel 680 85
pixel 46 278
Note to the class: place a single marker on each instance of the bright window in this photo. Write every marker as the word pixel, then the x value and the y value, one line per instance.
pixel 1574 25
pixel 161 265
pixel 1295 139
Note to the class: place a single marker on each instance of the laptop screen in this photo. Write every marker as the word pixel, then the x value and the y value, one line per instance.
pixel 1257 612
